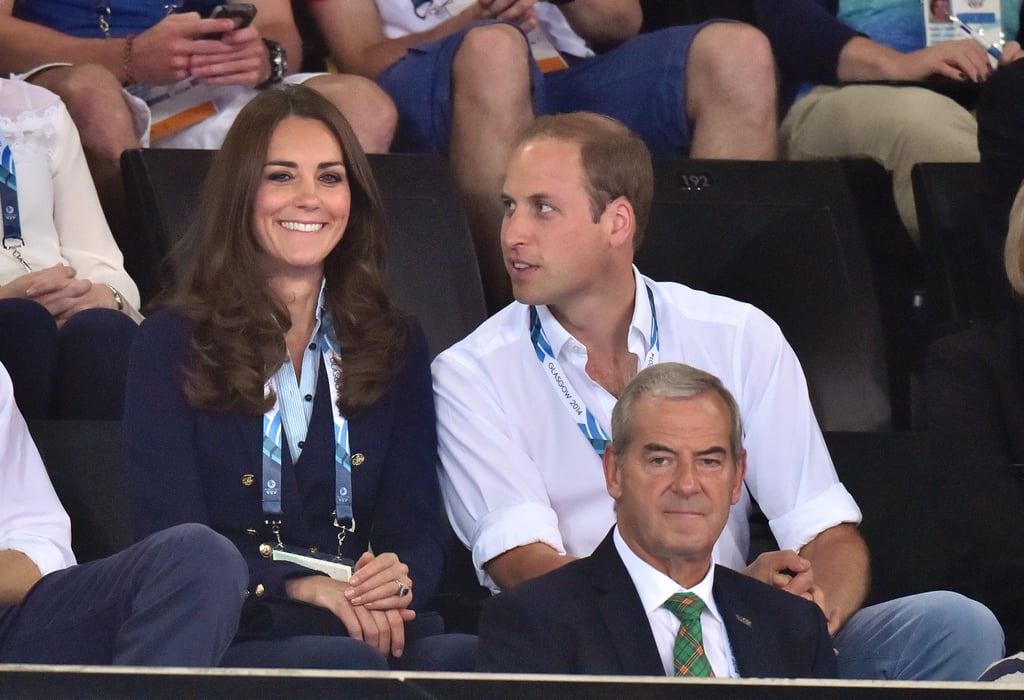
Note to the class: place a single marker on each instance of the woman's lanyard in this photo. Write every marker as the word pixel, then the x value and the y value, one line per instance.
pixel 9 204
pixel 593 432
pixel 273 434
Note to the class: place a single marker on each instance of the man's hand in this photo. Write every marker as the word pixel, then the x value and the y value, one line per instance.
pixel 792 573
pixel 162 54
pixel 239 58
pixel 1011 52
pixel 783 569
pixel 520 12
pixel 384 630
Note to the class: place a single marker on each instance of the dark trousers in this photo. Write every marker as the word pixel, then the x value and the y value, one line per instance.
pixel 173 599
pixel 75 372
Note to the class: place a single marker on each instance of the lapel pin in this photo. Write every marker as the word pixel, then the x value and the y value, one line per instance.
pixel 745 621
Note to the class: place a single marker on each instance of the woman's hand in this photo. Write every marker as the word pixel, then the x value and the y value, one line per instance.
pixel 384 630
pixel 59 290
pixel 380 583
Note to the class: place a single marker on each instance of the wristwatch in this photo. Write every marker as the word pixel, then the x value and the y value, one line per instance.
pixel 278 63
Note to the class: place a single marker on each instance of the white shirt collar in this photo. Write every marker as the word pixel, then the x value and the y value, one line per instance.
pixel 639 340
pixel 654 587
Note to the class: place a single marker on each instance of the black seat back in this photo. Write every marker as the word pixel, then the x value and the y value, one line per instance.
pixel 784 237
pixel 432 266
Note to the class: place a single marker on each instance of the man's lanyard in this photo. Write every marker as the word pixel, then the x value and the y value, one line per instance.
pixel 9 204
pixel 272 450
pixel 593 432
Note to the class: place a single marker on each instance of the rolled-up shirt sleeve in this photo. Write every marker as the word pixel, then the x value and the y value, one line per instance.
pixel 493 490
pixel 32 520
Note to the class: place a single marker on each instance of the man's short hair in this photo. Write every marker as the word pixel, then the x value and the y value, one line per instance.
pixel 615 161
pixel 671 380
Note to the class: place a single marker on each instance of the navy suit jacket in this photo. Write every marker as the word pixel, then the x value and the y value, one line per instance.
pixel 586 617
pixel 187 465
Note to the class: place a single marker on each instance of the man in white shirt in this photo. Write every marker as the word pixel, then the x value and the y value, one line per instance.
pixel 675 466
pixel 465 84
pixel 523 485
pixel 173 599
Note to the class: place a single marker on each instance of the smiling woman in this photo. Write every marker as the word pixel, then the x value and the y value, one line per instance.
pixel 284 401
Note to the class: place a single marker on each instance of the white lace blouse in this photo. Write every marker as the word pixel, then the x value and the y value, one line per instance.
pixel 61 217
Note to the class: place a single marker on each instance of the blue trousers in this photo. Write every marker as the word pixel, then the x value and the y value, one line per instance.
pixel 77 371
pixel 172 599
pixel 938 636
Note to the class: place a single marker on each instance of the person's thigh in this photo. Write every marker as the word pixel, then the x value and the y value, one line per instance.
pixel 28 349
pixel 172 599
pixel 93 365
pixel 891 124
pixel 640 83
pixel 929 636
pixel 420 84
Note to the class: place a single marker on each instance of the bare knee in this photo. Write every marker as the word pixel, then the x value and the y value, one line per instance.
pixel 366 106
pixel 493 59
pixel 733 61
pixel 94 99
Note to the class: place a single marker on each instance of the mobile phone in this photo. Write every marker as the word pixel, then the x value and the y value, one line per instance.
pixel 242 12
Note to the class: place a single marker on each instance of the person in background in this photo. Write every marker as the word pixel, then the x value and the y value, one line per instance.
pixel 173 599
pixel 68 309
pixel 465 83
pixel 107 59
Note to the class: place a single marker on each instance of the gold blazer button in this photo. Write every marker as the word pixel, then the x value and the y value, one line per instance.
pixel 248 479
pixel 266 550
pixel 358 459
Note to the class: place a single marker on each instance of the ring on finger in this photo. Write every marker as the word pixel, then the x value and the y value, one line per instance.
pixel 403 590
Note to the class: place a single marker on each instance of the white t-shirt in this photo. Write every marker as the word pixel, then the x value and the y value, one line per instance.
pixel 515 469
pixel 399 18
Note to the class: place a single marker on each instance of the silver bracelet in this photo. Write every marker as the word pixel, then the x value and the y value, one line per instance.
pixel 118 299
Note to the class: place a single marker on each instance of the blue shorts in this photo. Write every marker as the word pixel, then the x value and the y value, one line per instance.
pixel 640 82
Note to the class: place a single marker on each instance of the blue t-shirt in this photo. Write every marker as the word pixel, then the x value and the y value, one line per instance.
pixel 900 23
pixel 81 18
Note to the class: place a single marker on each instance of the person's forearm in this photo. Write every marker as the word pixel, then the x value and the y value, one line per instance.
pixel 840 561
pixel 604 22
pixel 357 43
pixel 27 45
pixel 286 35
pixel 864 59
pixel 18 574
pixel 511 568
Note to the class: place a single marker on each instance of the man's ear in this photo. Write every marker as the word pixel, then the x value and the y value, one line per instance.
pixel 611 472
pixel 622 222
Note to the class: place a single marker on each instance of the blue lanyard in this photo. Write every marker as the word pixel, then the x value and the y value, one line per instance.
pixel 594 433
pixel 9 203
pixel 273 440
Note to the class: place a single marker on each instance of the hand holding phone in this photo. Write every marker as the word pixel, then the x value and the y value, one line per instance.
pixel 242 12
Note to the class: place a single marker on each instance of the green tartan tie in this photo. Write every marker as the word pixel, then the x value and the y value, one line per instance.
pixel 688 655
